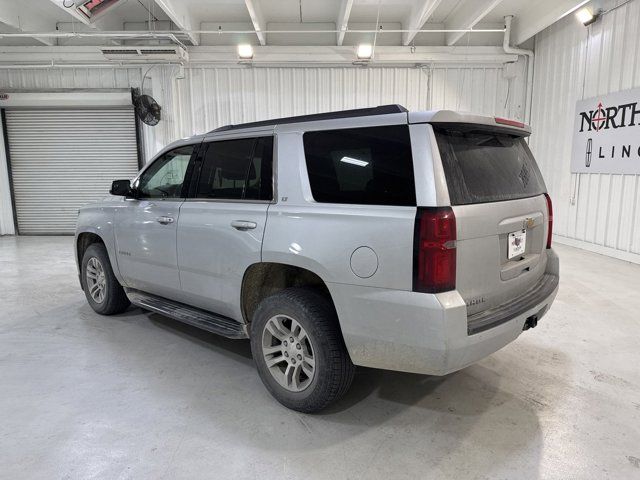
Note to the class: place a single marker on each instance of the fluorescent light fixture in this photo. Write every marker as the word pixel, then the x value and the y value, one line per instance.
pixel 365 51
pixel 245 51
pixel 586 16
pixel 354 161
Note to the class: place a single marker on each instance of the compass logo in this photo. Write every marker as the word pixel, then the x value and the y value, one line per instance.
pixel 599 118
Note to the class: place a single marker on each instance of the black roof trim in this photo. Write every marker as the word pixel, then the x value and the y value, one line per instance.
pixel 358 112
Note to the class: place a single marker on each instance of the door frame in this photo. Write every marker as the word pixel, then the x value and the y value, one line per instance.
pixel 5 137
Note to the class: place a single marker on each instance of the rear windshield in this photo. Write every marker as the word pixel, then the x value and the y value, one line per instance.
pixel 487 166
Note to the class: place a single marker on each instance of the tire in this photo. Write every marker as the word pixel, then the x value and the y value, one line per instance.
pixel 96 268
pixel 320 351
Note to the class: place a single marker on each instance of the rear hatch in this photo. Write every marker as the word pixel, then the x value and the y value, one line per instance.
pixel 497 194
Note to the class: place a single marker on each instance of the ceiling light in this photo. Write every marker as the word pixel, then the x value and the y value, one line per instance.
pixel 354 161
pixel 586 17
pixel 245 51
pixel 365 51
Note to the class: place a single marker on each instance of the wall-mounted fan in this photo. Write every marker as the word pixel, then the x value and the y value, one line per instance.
pixel 147 109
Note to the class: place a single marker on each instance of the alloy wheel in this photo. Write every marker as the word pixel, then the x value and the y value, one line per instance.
pixel 288 353
pixel 96 280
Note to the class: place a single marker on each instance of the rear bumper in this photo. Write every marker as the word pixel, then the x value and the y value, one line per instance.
pixel 430 334
pixel 493 317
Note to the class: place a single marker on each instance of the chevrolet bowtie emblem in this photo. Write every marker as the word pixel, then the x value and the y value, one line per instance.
pixel 528 223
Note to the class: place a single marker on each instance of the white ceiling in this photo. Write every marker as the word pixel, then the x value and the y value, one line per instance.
pixel 186 16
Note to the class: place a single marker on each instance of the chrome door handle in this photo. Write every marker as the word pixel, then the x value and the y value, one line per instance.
pixel 243 225
pixel 164 220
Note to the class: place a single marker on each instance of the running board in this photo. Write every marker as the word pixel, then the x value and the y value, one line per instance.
pixel 203 319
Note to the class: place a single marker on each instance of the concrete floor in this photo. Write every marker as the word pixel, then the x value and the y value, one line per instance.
pixel 141 396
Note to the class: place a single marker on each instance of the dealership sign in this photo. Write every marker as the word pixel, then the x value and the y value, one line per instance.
pixel 606 135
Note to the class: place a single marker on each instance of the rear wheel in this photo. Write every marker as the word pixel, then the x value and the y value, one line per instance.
pixel 299 351
pixel 101 287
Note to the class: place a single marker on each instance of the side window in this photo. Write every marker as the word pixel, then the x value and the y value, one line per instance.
pixel 237 169
pixel 371 166
pixel 164 178
pixel 260 178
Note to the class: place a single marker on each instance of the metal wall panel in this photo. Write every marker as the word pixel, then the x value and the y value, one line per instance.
pixel 210 97
pixel 64 159
pixel 600 212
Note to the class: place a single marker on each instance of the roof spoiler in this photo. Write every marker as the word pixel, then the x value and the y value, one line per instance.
pixel 443 117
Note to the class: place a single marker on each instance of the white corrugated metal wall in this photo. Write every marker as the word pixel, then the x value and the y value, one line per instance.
pixel 600 212
pixel 209 97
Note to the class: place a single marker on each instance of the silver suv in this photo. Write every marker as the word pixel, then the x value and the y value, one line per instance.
pixel 412 241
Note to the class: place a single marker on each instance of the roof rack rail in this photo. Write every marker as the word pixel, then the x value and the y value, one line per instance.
pixel 357 112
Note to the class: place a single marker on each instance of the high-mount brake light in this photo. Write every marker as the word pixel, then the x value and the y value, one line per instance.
pixel 511 123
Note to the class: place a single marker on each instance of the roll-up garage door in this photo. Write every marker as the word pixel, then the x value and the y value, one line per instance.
pixel 64 159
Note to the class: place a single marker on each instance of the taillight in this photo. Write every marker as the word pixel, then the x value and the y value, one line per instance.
pixel 434 245
pixel 550 213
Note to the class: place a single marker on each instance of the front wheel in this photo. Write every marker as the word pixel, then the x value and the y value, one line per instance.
pixel 101 287
pixel 299 351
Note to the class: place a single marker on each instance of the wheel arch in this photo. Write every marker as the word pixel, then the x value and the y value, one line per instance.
pixel 90 236
pixel 83 241
pixel 266 278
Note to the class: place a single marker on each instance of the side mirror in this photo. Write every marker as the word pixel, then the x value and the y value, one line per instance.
pixel 121 188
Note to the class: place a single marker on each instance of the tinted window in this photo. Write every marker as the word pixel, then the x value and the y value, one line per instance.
pixel 237 169
pixel 260 176
pixel 370 166
pixel 487 166
pixel 164 178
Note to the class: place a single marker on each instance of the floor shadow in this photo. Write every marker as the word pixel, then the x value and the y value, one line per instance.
pixel 129 312
pixel 401 387
pixel 241 348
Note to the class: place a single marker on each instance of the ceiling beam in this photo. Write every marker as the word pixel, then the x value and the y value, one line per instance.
pixel 259 25
pixel 14 17
pixel 543 13
pixel 466 16
pixel 421 11
pixel 179 14
pixel 343 20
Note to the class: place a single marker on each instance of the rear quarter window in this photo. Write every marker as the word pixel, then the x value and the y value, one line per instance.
pixel 487 166
pixel 370 166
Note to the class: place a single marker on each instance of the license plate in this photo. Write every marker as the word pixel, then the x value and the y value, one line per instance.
pixel 517 243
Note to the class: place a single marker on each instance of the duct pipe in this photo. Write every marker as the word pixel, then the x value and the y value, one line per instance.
pixel 158 34
pixel 520 51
